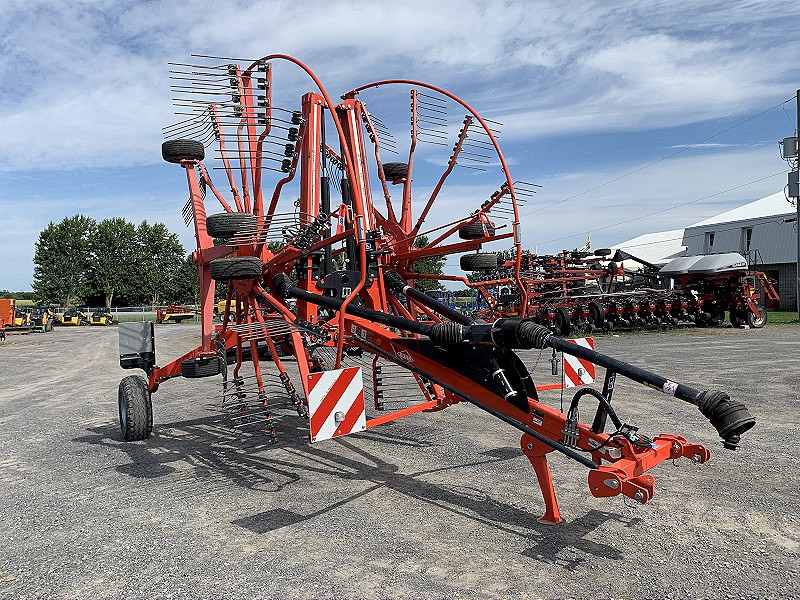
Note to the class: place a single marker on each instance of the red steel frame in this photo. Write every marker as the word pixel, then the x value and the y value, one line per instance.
pixel 382 242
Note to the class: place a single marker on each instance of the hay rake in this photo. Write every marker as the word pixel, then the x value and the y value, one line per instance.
pixel 316 283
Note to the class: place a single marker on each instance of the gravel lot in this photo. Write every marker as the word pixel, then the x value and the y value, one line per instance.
pixel 439 505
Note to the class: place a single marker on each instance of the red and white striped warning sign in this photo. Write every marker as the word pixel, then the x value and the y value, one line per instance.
pixel 336 403
pixel 578 371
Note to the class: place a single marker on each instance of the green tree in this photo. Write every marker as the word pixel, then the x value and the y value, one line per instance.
pixel 61 261
pixel 113 249
pixel 158 261
pixel 184 288
pixel 430 264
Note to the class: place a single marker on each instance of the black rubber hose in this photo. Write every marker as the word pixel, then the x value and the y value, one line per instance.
pixel 284 287
pixel 398 285
pixel 587 391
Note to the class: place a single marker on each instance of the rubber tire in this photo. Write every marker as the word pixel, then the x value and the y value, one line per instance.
pixel 603 252
pixel 474 231
pixel 236 267
pixel 757 323
pixel 395 170
pixel 194 368
pixel 738 319
pixel 135 409
pixel 226 225
pixel 562 323
pixel 325 356
pixel 482 261
pixel 717 317
pixel 597 314
pixel 174 151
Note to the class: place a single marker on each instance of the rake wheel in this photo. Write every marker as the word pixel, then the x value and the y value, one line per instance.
pixel 194 368
pixel 235 267
pixel 482 261
pixel 175 151
pixel 226 225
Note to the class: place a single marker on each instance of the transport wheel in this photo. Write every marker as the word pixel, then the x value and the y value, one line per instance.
pixel 235 267
pixel 561 322
pixel 209 366
pixel 135 408
pixel 395 170
pixel 717 317
pixel 757 323
pixel 474 231
pixel 738 318
pixel 482 261
pixel 597 315
pixel 174 151
pixel 226 225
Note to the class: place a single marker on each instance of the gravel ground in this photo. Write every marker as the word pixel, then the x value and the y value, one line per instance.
pixel 438 505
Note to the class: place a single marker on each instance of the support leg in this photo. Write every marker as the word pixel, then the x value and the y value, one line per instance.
pixel 536 453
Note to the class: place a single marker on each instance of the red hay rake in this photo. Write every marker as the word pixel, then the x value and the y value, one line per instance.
pixel 330 283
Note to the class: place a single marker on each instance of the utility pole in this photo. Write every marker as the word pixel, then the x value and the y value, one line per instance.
pixel 792 156
pixel 797 205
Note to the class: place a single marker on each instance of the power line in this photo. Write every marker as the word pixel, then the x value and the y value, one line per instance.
pixel 660 160
pixel 594 229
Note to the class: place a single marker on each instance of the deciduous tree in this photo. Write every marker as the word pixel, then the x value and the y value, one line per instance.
pixel 61 261
pixel 113 254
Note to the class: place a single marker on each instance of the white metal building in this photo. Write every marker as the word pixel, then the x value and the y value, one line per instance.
pixel 763 231
pixel 760 232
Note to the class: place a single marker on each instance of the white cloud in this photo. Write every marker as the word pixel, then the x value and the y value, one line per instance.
pixel 675 192
pixel 86 74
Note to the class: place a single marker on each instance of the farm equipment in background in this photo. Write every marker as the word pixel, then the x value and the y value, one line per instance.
pixel 573 292
pixel 101 316
pixel 12 318
pixel 74 316
pixel 175 314
pixel 348 266
pixel 42 318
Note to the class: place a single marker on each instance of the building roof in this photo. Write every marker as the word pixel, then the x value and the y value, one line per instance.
pixel 770 206
pixel 658 248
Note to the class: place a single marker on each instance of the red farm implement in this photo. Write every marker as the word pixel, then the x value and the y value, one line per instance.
pixel 581 291
pixel 331 282
pixel 175 314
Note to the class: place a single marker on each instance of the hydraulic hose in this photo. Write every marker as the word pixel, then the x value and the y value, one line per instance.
pixel 398 285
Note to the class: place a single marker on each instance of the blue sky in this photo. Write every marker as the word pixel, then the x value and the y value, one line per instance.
pixel 590 94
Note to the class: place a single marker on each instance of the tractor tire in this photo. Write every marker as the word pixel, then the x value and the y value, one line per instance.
pixel 175 151
pixel 226 225
pixel 757 323
pixel 597 314
pixel 135 409
pixel 475 231
pixel 602 252
pixel 482 261
pixel 235 267
pixel 194 368
pixel 395 170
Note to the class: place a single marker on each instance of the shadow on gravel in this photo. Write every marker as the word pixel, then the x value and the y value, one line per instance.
pixel 202 451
